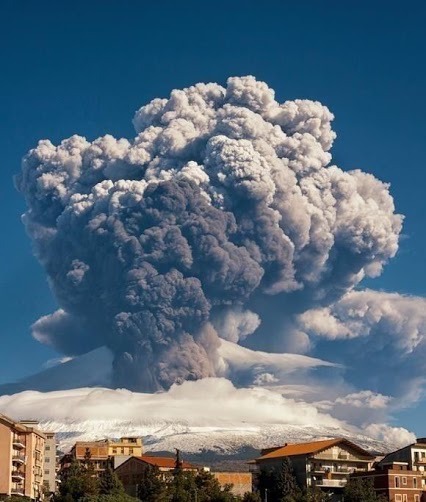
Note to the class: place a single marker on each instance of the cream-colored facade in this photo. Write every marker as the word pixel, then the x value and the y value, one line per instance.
pixel 325 464
pixel 21 458
pixel 131 446
pixel 100 454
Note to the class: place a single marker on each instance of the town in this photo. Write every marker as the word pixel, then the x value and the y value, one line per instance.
pixel 33 468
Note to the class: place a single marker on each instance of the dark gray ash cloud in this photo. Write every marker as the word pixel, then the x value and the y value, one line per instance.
pixel 223 216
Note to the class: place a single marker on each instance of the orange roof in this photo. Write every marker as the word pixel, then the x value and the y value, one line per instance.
pixel 164 462
pixel 312 447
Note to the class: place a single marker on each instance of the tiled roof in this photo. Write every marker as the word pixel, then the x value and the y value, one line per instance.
pixel 312 447
pixel 164 462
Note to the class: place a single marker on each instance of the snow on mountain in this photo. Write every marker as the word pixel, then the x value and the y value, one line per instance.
pixel 227 441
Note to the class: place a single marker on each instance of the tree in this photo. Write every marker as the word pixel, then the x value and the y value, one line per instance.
pixel 77 483
pixel 209 489
pixel 109 484
pixel 358 489
pixel 151 487
pixel 15 498
pixel 314 494
pixel 280 485
pixel 117 497
pixel 251 497
pixel 182 488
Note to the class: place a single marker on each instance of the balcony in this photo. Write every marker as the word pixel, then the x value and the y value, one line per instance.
pixel 18 443
pixel 18 476
pixel 335 470
pixel 17 491
pixel 330 483
pixel 420 460
pixel 18 458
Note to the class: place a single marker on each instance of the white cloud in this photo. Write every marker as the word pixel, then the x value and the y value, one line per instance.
pixel 382 339
pixel 398 436
pixel 365 399
pixel 241 359
pixel 202 402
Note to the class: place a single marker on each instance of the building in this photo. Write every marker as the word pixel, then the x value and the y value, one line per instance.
pixel 129 446
pixel 414 455
pixel 50 463
pixel 21 458
pixel 395 481
pixel 242 482
pixel 100 454
pixel 325 464
pixel 130 471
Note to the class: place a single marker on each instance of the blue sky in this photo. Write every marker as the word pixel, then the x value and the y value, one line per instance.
pixel 85 67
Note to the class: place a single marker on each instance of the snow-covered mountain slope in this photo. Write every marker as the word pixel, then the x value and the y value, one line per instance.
pixel 232 441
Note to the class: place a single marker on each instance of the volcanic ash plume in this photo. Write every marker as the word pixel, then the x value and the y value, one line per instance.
pixel 223 203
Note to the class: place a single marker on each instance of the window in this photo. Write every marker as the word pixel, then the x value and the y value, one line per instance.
pixel 416 498
pixel 397 482
pixel 414 482
pixel 47 448
pixel 398 497
pixel 130 451
pixel 404 498
pixel 47 459
pixel 114 450
pixel 404 480
pixel 122 451
pixel 46 471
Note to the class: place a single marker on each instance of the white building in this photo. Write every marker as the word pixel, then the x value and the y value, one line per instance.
pixel 50 463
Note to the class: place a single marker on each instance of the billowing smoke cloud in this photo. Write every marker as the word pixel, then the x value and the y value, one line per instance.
pixel 222 218
pixel 383 334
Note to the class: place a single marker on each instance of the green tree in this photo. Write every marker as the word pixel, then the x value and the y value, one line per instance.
pixel 287 483
pixel 208 488
pixel 109 484
pixel 77 483
pixel 182 487
pixel 314 494
pixel 251 497
pixel 280 485
pixel 358 489
pixel 117 497
pixel 14 498
pixel 151 486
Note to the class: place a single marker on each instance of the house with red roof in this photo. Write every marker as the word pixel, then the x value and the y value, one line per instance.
pixel 130 471
pixel 326 464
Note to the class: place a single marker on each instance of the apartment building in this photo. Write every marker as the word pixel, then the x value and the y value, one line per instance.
pixel 21 458
pixel 325 464
pixel 414 455
pixel 100 454
pixel 50 463
pixel 395 481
